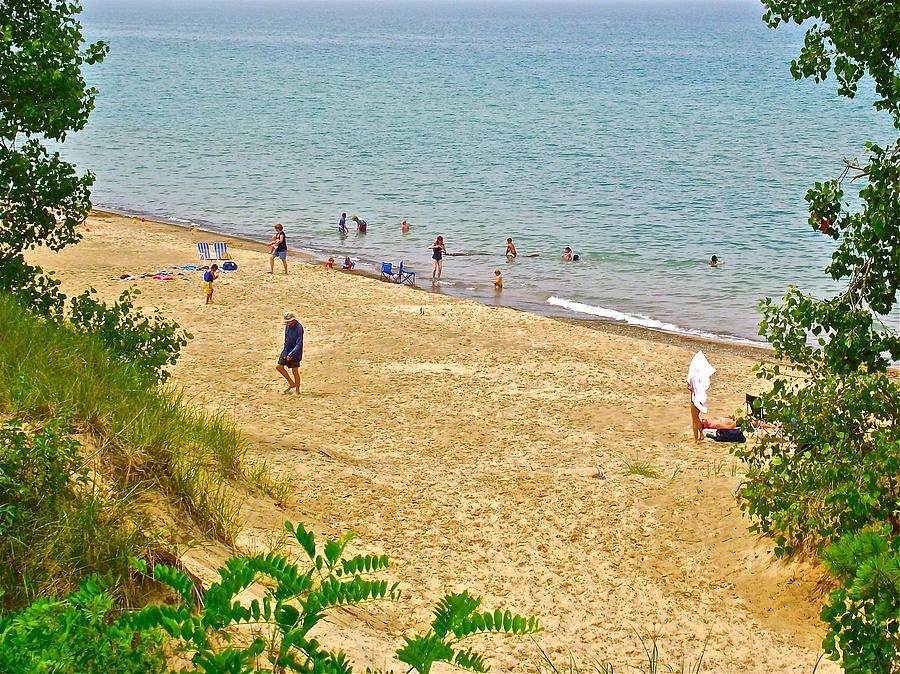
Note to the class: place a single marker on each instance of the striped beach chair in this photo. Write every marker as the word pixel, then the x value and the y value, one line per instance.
pixel 203 252
pixel 221 251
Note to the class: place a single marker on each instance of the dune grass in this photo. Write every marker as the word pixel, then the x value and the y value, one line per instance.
pixel 638 466
pixel 147 436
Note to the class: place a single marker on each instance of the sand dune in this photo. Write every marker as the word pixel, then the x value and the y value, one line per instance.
pixel 464 442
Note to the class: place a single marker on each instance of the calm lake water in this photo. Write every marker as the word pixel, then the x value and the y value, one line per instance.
pixel 645 136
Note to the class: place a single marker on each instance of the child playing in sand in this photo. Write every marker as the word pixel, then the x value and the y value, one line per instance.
pixel 330 263
pixel 208 278
pixel 498 280
pixel 348 264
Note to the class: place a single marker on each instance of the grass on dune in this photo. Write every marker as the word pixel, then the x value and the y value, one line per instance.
pixel 639 466
pixel 147 435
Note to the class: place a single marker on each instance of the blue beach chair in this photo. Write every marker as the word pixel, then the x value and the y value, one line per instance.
pixel 388 273
pixel 406 276
pixel 221 251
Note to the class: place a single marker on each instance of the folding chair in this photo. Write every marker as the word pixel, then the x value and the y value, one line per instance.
pixel 388 273
pixel 757 416
pixel 406 276
pixel 203 252
pixel 221 251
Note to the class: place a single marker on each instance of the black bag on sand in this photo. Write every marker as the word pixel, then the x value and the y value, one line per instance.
pixel 729 435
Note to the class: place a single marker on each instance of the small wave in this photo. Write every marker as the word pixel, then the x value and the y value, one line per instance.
pixel 647 322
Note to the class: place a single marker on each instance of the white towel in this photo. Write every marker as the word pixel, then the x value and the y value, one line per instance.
pixel 698 379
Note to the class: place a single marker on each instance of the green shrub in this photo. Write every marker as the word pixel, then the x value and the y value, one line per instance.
pixel 78 635
pixel 863 614
pixel 294 599
pixel 55 523
pixel 150 343
pixel 148 435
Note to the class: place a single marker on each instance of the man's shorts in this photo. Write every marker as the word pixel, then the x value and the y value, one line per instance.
pixel 280 254
pixel 207 287
pixel 288 363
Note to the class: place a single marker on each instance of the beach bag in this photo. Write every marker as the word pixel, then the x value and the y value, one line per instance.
pixel 729 435
pixel 229 266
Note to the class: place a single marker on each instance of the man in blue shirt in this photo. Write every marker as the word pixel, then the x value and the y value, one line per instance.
pixel 342 224
pixel 292 353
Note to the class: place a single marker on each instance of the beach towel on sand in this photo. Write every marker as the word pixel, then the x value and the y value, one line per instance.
pixel 698 379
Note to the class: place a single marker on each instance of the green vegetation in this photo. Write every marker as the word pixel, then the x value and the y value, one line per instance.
pixel 638 466
pixel 56 523
pixel 653 665
pixel 230 632
pixel 831 479
pixel 145 436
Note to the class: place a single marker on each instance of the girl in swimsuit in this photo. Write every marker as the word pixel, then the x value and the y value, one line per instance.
pixel 437 253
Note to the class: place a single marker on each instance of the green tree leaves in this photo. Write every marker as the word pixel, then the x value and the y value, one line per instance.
pixel 830 473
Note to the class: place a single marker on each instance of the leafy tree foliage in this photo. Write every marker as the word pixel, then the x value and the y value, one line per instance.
pixel 830 476
pixel 43 200
pixel 43 94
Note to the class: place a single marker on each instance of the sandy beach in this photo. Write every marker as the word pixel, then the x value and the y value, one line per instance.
pixel 465 442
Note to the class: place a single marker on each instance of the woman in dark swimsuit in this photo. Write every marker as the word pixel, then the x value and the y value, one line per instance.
pixel 437 253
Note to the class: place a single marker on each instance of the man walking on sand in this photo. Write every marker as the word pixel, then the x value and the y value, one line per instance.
pixel 292 353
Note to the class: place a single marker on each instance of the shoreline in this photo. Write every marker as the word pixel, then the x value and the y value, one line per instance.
pixel 722 343
pixel 481 448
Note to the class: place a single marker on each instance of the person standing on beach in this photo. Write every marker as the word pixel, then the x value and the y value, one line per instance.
pixel 208 278
pixel 438 250
pixel 292 353
pixel 510 249
pixel 361 224
pixel 280 250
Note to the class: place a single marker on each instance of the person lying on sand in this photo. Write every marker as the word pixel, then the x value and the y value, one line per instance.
pixel 718 422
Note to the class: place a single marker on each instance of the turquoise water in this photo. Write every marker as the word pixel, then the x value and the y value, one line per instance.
pixel 645 136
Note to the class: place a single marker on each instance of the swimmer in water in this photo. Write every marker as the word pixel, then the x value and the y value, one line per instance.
pixel 714 261
pixel 567 255
pixel 404 227
pixel 510 249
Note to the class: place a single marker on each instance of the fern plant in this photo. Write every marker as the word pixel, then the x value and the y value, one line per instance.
pixel 293 600
pixel 456 617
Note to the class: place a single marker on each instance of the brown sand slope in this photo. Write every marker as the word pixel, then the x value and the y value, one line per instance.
pixel 463 441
